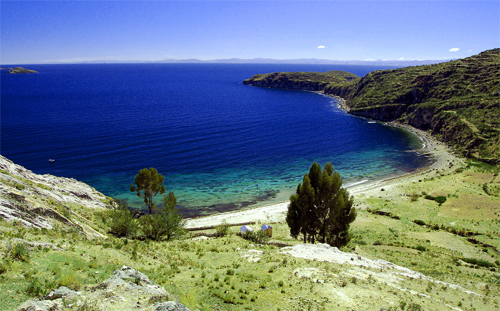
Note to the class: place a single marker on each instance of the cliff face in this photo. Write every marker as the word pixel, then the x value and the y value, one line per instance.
pixel 45 201
pixel 458 101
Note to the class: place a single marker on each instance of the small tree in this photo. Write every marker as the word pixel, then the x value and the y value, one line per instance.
pixel 166 222
pixel 173 219
pixel 150 182
pixel 321 209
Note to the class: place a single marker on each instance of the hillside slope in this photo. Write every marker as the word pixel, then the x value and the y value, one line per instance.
pixel 46 201
pixel 458 101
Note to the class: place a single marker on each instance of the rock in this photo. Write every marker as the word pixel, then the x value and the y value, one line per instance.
pixel 170 306
pixel 126 289
pixel 36 305
pixel 31 245
pixel 61 292
pixel 40 200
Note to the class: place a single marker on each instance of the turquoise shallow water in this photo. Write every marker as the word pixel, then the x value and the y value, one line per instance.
pixel 221 145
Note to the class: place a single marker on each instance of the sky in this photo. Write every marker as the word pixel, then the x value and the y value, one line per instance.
pixel 35 32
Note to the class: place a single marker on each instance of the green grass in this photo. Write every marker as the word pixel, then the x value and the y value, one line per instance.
pixel 210 274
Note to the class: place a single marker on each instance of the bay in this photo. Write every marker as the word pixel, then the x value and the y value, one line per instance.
pixel 221 145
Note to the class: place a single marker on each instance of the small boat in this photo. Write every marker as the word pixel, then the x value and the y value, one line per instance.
pixel 52 160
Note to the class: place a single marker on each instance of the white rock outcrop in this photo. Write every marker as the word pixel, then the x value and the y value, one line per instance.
pixel 39 200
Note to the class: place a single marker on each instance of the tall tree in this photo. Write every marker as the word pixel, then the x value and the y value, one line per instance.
pixel 321 209
pixel 148 183
pixel 300 209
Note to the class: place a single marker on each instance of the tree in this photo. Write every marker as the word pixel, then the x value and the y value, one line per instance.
pixel 166 222
pixel 321 210
pixel 150 182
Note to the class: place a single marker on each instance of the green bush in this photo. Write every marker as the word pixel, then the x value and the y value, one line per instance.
pixel 70 281
pixel 36 288
pixel 3 267
pixel 19 252
pixel 222 229
pixel 419 222
pixel 122 222
pixel 166 222
pixel 478 262
pixel 259 237
pixel 440 199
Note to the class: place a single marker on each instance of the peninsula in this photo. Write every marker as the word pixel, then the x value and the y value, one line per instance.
pixel 456 101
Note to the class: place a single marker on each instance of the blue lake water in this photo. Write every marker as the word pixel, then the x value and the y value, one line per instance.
pixel 221 145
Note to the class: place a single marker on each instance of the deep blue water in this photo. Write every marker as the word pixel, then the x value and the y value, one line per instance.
pixel 220 144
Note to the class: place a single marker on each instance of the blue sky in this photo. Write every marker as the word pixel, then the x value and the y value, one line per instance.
pixel 73 31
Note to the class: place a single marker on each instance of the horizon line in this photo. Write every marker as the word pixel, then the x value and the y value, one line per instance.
pixel 235 60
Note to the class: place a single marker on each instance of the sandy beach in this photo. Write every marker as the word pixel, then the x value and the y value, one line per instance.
pixel 443 160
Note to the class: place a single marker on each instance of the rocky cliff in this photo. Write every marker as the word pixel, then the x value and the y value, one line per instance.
pixel 45 201
pixel 458 101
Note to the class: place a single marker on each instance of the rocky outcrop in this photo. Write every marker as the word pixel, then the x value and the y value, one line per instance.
pixel 42 200
pixel 126 289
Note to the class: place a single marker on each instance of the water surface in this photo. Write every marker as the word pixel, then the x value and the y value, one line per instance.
pixel 220 144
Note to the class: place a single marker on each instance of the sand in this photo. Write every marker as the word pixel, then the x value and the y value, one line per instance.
pixel 443 160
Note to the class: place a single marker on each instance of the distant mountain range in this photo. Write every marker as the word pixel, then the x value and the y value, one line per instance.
pixel 312 61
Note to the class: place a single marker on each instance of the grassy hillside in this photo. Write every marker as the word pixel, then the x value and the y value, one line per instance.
pixel 452 250
pixel 458 101
pixel 310 81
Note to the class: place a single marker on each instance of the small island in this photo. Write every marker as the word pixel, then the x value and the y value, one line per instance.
pixel 19 70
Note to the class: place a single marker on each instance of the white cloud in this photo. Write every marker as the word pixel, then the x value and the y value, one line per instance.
pixel 401 58
pixel 454 50
pixel 321 47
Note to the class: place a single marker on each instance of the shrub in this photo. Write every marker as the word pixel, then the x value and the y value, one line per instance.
pixel 419 222
pixel 478 262
pixel 429 197
pixel 222 229
pixel 166 222
pixel 122 222
pixel 440 199
pixel 36 288
pixel 70 281
pixel 414 197
pixel 259 237
pixel 3 267
pixel 19 252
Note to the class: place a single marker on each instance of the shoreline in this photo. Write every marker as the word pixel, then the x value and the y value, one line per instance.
pixel 442 160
